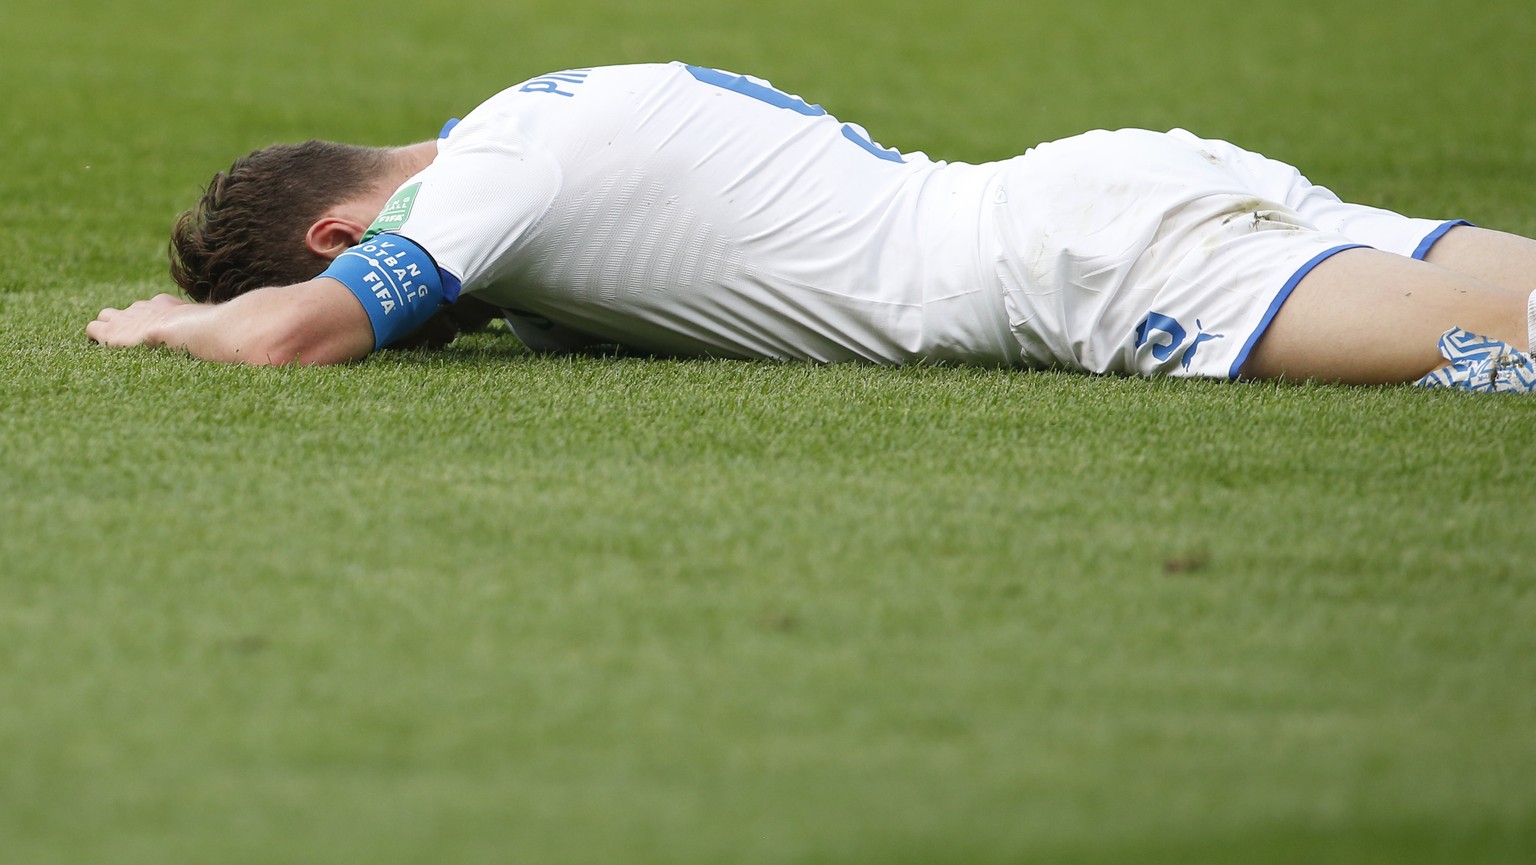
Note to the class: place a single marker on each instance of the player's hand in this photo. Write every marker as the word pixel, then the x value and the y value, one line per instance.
pixel 140 324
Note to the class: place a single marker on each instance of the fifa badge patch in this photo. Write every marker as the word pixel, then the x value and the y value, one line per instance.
pixel 396 211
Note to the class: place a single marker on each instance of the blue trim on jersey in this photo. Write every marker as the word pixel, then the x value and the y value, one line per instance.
pixel 1434 237
pixel 747 87
pixel 451 286
pixel 1274 306
pixel 870 146
pixel 397 283
pixel 448 127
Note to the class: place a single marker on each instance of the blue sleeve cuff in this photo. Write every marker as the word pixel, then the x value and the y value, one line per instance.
pixel 396 281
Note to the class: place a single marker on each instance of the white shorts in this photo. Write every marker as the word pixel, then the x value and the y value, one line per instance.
pixel 1154 253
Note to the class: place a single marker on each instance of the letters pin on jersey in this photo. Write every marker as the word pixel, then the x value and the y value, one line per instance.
pixel 552 82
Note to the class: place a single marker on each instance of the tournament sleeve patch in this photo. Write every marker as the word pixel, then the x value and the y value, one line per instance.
pixel 396 211
pixel 396 281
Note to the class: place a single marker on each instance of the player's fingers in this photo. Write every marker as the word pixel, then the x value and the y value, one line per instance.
pixel 107 329
pixel 96 329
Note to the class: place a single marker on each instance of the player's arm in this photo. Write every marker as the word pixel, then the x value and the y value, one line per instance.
pixel 314 322
pixel 373 295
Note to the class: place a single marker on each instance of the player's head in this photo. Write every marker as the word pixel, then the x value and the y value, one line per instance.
pixel 249 229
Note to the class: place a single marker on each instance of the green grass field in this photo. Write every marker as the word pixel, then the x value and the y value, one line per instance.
pixel 481 606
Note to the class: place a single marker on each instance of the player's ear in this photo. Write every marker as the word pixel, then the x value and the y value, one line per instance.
pixel 332 235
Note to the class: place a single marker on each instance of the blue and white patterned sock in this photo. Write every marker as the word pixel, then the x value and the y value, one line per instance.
pixel 1482 364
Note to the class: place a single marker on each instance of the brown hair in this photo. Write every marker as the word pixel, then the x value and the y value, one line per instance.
pixel 248 229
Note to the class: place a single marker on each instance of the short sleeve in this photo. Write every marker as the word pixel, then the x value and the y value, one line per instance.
pixel 475 205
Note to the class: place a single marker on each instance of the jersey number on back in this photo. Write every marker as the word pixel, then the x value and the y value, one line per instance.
pixel 779 99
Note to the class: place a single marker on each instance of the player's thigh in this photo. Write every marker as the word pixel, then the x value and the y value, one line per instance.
pixel 1371 317
pixel 1505 260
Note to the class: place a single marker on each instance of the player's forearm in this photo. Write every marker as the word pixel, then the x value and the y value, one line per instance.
pixel 221 332
pixel 312 323
pixel 274 326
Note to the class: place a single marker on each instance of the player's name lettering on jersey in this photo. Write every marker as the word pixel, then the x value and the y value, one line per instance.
pixel 393 280
pixel 552 82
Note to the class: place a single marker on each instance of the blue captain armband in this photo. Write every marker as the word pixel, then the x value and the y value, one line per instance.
pixel 397 282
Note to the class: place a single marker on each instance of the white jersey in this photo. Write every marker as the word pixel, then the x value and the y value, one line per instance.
pixel 687 211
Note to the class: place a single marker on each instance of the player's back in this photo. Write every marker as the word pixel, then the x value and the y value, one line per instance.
pixel 687 210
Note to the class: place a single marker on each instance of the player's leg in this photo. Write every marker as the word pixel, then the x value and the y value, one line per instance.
pixel 1412 299
pixel 1506 260
pixel 1370 317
